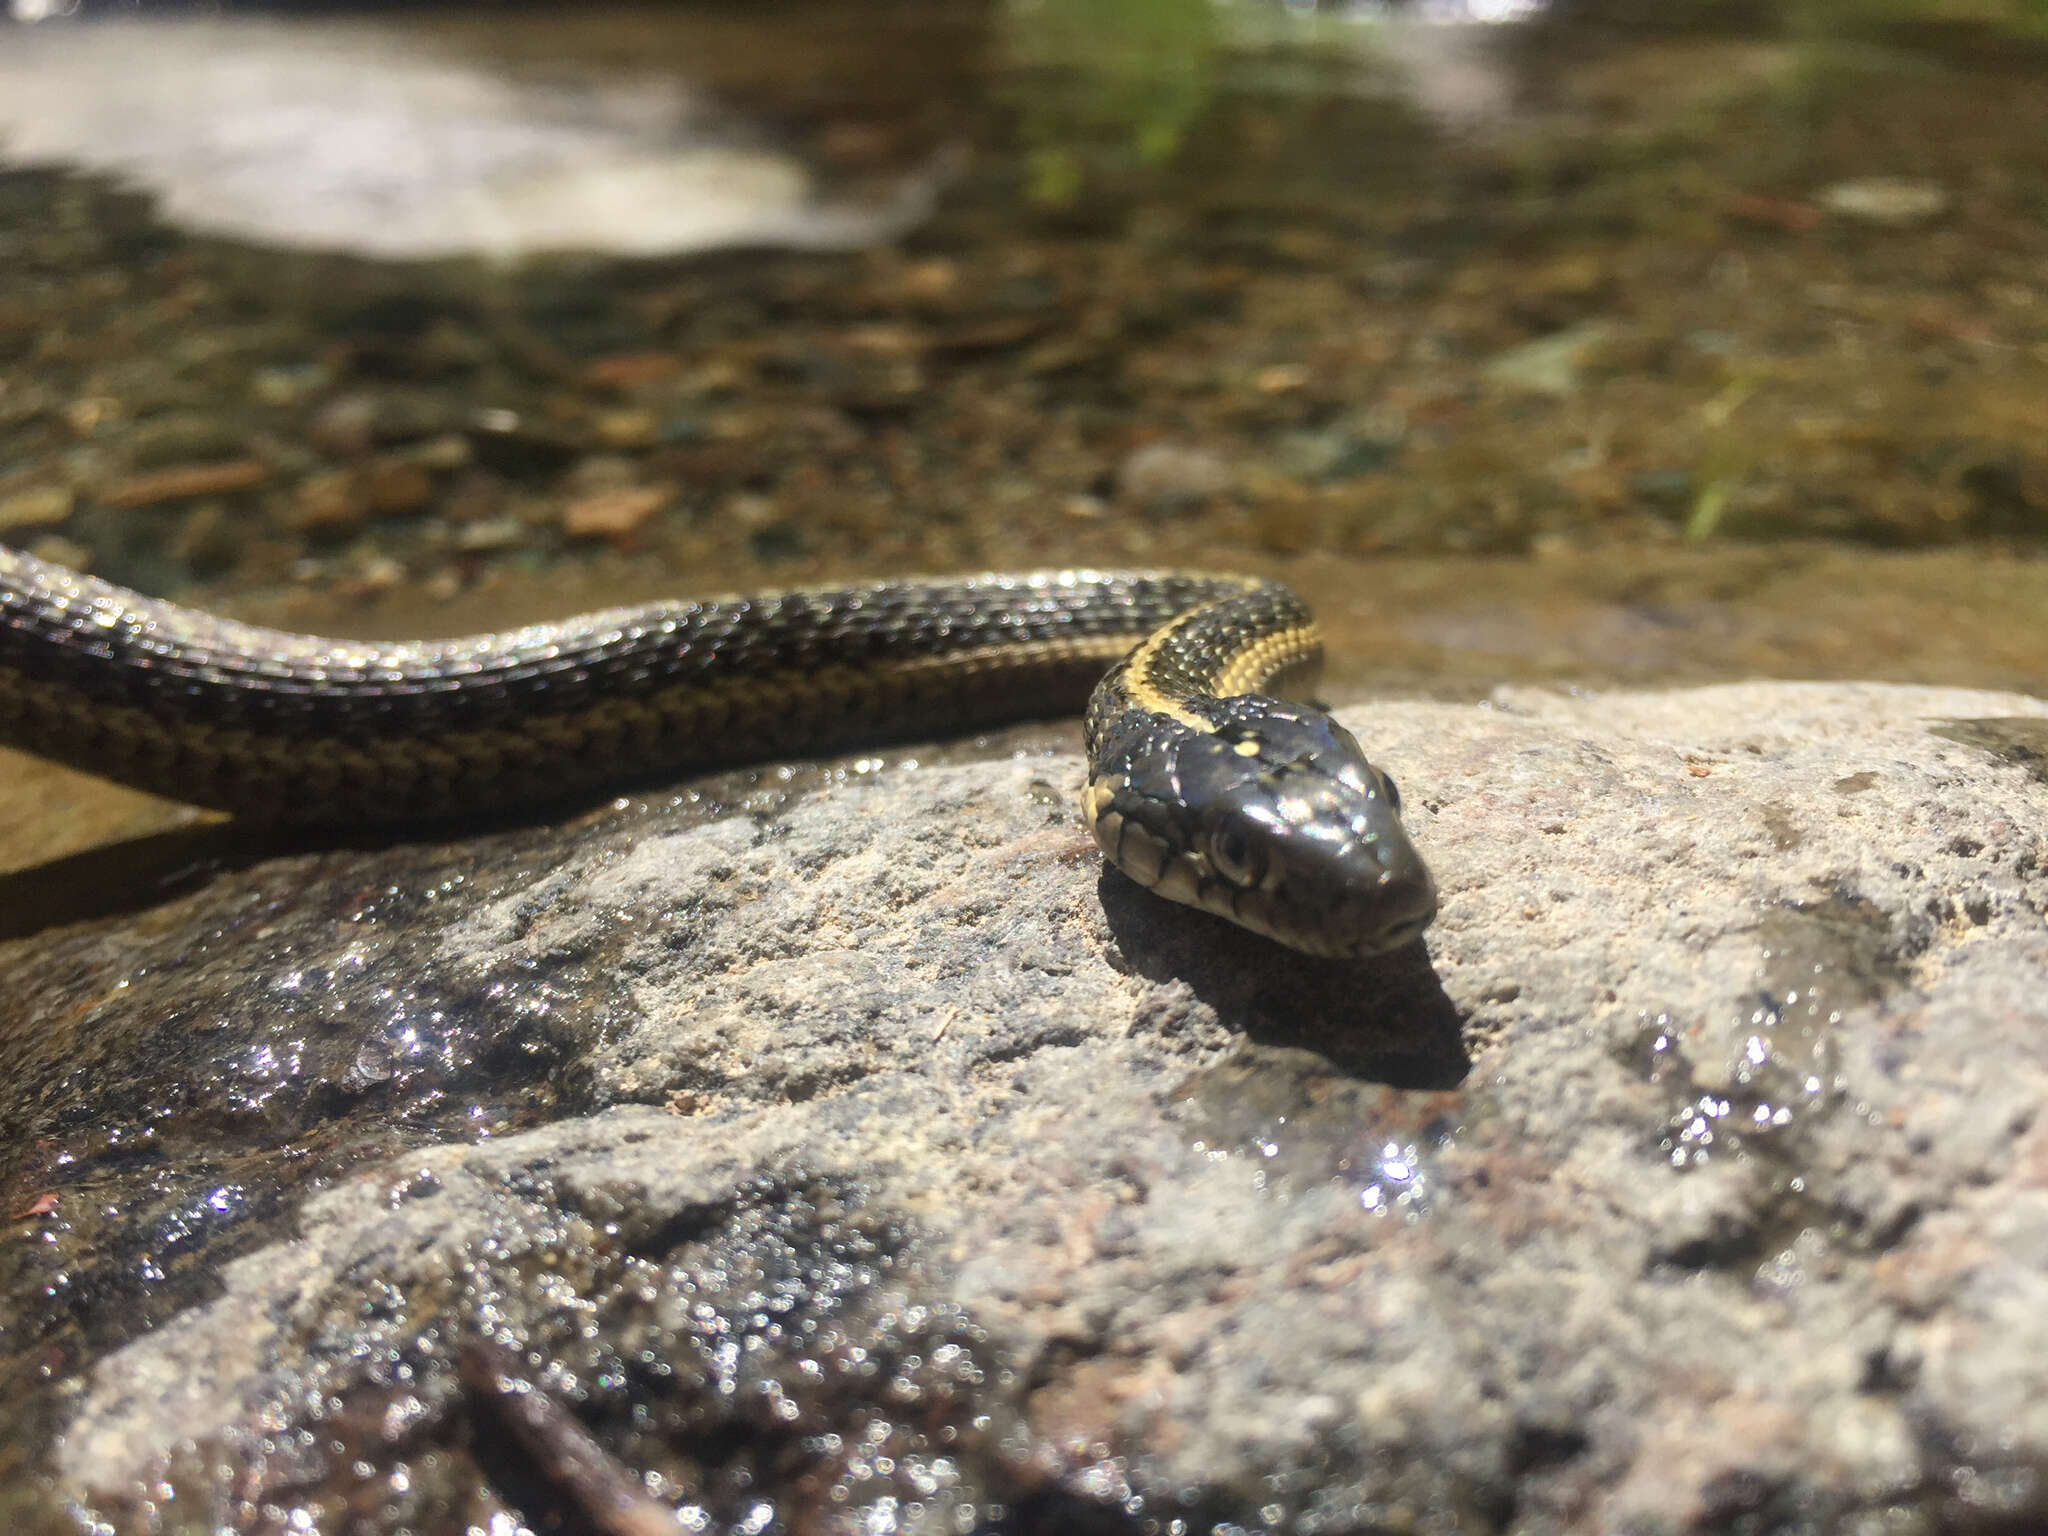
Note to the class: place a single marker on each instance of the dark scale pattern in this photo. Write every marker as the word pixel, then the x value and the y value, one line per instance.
pixel 1189 660
pixel 293 727
pixel 1182 667
pixel 116 646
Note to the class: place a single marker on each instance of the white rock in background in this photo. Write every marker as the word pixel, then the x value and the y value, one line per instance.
pixel 363 138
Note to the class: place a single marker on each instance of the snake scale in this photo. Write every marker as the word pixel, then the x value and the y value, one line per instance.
pixel 1203 783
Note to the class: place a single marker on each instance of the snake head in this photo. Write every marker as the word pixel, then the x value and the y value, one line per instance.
pixel 1272 818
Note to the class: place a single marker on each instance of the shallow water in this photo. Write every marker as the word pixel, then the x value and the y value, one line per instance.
pixel 1551 349
pixel 1555 349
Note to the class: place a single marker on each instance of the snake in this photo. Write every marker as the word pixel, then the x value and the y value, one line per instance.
pixel 1210 780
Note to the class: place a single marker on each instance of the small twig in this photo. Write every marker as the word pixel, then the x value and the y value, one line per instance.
pixel 602 1488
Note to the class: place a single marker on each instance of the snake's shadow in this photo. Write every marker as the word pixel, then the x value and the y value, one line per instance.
pixel 117 879
pixel 132 875
pixel 120 879
pixel 1384 1020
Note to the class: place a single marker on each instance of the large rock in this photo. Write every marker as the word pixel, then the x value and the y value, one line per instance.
pixel 902 1170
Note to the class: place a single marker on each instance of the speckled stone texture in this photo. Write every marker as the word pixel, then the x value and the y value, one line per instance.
pixel 1696 1179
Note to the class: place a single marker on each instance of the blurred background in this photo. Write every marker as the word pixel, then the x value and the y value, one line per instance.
pixel 1590 342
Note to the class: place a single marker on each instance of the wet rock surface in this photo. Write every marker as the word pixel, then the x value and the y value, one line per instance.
pixel 844 1150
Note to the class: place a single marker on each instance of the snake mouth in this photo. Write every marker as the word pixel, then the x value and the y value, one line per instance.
pixel 1356 925
pixel 1405 908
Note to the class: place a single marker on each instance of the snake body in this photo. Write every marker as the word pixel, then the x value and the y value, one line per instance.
pixel 1200 785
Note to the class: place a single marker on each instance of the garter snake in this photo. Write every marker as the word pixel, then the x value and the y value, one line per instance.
pixel 1201 785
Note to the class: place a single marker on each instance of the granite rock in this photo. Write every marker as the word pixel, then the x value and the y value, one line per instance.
pixel 900 1169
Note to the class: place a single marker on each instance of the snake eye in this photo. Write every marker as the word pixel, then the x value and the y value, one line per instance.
pixel 1393 791
pixel 1235 854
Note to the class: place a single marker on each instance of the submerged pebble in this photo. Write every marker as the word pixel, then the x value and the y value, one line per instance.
pixel 1893 200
